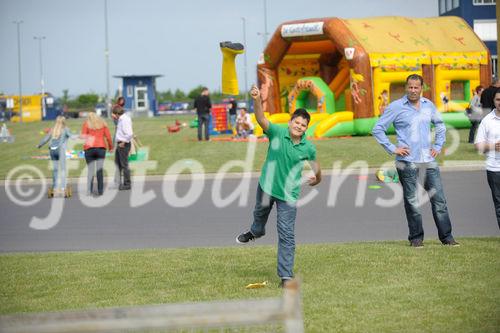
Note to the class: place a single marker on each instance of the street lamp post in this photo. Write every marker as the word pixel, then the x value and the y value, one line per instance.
pixel 18 23
pixel 106 55
pixel 42 83
pixel 265 22
pixel 245 57
pixel 264 39
pixel 265 33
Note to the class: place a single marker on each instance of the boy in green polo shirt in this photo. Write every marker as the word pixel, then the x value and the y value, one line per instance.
pixel 280 181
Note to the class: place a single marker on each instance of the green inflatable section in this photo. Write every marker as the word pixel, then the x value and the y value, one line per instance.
pixel 341 129
pixel 364 126
pixel 340 102
pixel 304 100
pixel 311 129
pixel 456 119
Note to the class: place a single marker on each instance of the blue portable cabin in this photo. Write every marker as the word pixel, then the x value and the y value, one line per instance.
pixel 53 107
pixel 139 92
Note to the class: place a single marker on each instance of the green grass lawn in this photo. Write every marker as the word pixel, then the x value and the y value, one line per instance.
pixel 352 287
pixel 167 148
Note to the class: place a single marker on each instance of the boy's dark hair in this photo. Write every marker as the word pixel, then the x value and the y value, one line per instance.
pixel 301 113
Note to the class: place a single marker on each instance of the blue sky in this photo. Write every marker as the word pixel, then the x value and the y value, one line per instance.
pixel 177 39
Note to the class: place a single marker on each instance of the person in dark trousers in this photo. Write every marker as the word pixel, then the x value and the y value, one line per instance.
pixel 123 138
pixel 232 115
pixel 280 182
pixel 203 105
pixel 488 95
pixel 475 113
pixel 412 116
pixel 488 142
pixel 95 131
pixel 120 104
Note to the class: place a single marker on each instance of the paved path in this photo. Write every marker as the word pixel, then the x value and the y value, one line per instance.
pixel 332 216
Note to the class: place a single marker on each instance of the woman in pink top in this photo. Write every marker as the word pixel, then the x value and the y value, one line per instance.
pixel 95 131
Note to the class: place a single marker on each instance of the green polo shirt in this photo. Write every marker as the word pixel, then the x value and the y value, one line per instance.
pixel 282 170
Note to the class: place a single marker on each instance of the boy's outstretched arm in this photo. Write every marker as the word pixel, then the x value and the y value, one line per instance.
pixel 316 178
pixel 259 114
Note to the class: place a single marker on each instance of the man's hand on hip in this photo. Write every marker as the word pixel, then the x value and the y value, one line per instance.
pixel 402 151
pixel 434 152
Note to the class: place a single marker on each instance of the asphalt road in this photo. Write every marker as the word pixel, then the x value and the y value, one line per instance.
pixel 206 212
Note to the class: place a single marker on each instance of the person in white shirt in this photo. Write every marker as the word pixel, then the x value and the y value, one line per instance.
pixel 123 138
pixel 244 125
pixel 476 113
pixel 488 142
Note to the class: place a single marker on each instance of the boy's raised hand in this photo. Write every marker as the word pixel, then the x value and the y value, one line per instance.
pixel 259 114
pixel 254 92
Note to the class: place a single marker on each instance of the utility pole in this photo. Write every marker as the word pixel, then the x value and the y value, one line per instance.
pixel 264 40
pixel 18 23
pixel 42 83
pixel 106 56
pixel 265 22
pixel 245 58
pixel 497 72
pixel 265 33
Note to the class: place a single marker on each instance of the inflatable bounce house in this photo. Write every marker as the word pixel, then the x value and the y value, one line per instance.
pixel 346 71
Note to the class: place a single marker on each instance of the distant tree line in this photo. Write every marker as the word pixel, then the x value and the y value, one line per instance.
pixel 179 96
pixel 83 101
pixel 89 100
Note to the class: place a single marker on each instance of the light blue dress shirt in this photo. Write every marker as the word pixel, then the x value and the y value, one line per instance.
pixel 413 129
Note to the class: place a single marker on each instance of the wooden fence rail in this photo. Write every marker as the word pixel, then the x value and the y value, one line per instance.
pixel 208 315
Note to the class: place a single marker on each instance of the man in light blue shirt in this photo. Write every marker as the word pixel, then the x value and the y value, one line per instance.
pixel 412 117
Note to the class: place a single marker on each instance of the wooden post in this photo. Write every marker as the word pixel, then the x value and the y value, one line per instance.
pixel 292 307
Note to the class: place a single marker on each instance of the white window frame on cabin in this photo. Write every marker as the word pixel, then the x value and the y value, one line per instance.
pixel 486 29
pixel 484 2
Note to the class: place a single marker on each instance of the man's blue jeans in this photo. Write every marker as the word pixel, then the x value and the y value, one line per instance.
pixel 408 175
pixel 287 211
pixel 232 121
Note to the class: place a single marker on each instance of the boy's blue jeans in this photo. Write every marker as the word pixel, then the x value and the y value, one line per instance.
pixel 408 174
pixel 287 211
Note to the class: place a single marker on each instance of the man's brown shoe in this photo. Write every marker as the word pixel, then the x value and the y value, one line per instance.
pixel 451 243
pixel 417 243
